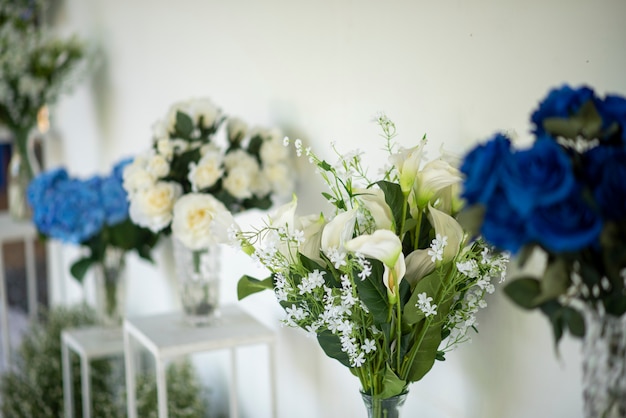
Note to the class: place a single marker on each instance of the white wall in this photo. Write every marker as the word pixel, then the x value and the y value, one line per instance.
pixel 456 70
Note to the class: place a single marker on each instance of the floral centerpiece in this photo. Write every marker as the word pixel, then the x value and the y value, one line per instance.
pixel 390 282
pixel 565 197
pixel 92 213
pixel 35 68
pixel 202 168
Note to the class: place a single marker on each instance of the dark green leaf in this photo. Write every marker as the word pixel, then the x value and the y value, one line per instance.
pixel 441 356
pixel 524 292
pixel 430 285
pixel 184 125
pixel 249 285
pixel 556 280
pixel 426 353
pixel 264 202
pixel 80 267
pixel 324 166
pixel 575 321
pixel 373 293
pixel 394 198
pixel 331 345
pixel 392 384
pixel 309 264
pixel 254 147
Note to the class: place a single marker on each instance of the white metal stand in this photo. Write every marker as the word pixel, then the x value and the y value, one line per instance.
pixel 89 343
pixel 167 336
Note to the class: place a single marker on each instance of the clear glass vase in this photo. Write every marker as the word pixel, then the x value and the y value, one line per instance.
pixel 198 276
pixel 384 408
pixel 23 167
pixel 110 278
pixel 604 366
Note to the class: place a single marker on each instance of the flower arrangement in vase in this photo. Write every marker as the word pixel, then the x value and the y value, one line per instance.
pixel 92 213
pixel 564 196
pixel 201 169
pixel 390 282
pixel 35 69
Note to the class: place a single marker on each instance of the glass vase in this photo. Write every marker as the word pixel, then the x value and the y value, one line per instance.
pixel 23 167
pixel 110 278
pixel 384 407
pixel 604 366
pixel 198 276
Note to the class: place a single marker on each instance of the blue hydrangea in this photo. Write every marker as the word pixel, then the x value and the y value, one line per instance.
pixel 114 197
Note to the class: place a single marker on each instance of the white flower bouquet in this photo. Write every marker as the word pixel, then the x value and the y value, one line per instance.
pixel 190 183
pixel 391 282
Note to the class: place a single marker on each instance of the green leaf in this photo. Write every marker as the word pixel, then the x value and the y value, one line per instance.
pixel 392 384
pixel 553 311
pixel 426 354
pixel 262 203
pixel 254 147
pixel 524 292
pixel 324 166
pixel 555 281
pixel 248 285
pixel 331 345
pixel 430 285
pixel 309 264
pixel 80 267
pixel 373 293
pixel 184 125
pixel 394 198
pixel 575 321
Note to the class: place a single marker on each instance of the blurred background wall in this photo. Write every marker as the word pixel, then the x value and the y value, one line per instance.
pixel 456 70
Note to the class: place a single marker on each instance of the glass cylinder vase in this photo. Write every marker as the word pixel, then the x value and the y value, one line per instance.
pixel 604 366
pixel 23 167
pixel 110 280
pixel 384 407
pixel 198 276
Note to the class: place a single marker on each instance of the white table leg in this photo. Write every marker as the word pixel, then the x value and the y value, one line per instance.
pixel 233 383
pixel 68 396
pixel 129 364
pixel 86 385
pixel 161 387
pixel 273 400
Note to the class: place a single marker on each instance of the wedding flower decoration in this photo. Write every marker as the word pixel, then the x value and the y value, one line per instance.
pixel 390 282
pixel 35 67
pixel 89 212
pixel 192 179
pixel 564 195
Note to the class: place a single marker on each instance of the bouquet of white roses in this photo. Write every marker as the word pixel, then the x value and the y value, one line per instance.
pixel 388 284
pixel 190 183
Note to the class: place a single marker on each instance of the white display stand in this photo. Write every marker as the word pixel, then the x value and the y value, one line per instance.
pixel 167 336
pixel 89 343
pixel 11 230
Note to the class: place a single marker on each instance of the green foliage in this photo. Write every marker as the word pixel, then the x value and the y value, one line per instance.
pixel 248 285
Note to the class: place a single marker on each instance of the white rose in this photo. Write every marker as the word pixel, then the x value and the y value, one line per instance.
pixel 238 183
pixel 206 172
pixel 201 220
pixel 273 151
pixel 161 129
pixel 158 166
pixel 281 180
pixel 240 159
pixel 136 177
pixel 203 108
pixel 165 147
pixel 236 129
pixel 152 207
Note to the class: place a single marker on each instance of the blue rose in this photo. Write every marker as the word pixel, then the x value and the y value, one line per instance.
pixel 482 166
pixel 503 226
pixel 605 172
pixel 537 176
pixel 561 102
pixel 566 226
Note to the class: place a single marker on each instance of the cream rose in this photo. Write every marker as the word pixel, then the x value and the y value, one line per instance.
pixel 273 151
pixel 206 172
pixel 238 182
pixel 201 220
pixel 152 207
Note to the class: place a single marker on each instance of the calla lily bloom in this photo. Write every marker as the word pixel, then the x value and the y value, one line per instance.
pixel 432 179
pixel 373 200
pixel 385 246
pixel 338 231
pixel 407 161
pixel 418 264
pixel 446 226
pixel 312 226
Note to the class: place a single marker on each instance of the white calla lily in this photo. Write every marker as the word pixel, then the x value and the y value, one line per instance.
pixel 373 200
pixel 339 230
pixel 385 246
pixel 446 226
pixel 284 216
pixel 312 226
pixel 407 161
pixel 432 179
pixel 418 264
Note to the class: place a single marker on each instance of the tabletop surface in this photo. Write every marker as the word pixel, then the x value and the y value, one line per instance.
pixel 95 341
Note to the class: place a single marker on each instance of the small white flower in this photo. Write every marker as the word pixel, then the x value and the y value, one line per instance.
pixel 424 304
pixel 358 360
pixel 436 248
pixel 368 345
